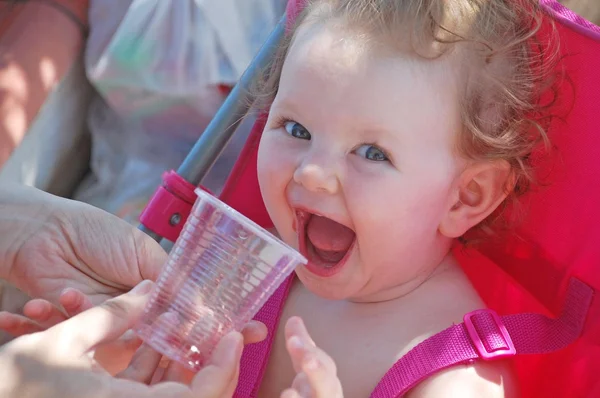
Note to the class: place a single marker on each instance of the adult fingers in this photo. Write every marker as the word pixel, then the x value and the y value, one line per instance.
pixel 106 322
pixel 215 380
pixel 142 366
pixel 44 313
pixel 18 325
pixel 74 301
pixel 254 332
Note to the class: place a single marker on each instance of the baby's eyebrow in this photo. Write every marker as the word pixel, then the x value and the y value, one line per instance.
pixel 290 108
pixel 286 102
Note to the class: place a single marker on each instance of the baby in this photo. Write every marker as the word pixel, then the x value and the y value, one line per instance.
pixel 395 128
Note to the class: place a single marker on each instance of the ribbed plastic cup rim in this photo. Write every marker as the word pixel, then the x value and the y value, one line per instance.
pixel 252 226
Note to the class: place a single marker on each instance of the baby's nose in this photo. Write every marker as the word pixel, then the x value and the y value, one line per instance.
pixel 317 177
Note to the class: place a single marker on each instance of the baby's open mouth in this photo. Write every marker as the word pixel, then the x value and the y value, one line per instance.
pixel 324 242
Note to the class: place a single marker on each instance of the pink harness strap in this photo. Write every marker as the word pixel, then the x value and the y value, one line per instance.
pixel 484 335
pixel 255 358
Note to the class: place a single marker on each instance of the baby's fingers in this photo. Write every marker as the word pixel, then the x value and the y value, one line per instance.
pixel 290 393
pixel 317 372
pixel 321 377
pixel 301 346
pixel 300 388
pixel 317 375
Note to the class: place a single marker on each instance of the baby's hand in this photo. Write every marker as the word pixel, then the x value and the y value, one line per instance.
pixel 316 371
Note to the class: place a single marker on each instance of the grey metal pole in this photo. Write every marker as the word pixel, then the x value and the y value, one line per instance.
pixel 226 121
pixel 150 233
pixel 220 130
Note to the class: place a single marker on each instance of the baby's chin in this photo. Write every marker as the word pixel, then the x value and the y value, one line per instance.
pixel 337 287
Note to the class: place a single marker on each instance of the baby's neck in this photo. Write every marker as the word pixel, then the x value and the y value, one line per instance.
pixel 447 267
pixel 398 292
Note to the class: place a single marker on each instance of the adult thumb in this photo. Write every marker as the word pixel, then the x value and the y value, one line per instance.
pixel 150 256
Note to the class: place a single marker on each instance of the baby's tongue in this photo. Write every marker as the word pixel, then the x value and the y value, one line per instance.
pixel 330 239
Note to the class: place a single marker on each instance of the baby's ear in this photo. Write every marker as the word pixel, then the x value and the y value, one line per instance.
pixel 480 190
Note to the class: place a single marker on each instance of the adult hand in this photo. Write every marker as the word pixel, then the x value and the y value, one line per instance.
pixel 57 362
pixel 50 243
pixel 114 356
pixel 77 256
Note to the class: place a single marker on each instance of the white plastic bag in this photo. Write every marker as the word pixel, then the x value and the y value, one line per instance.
pixel 178 47
pixel 158 65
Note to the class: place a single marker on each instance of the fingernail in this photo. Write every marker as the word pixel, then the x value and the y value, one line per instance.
pixel 142 288
pixel 235 349
pixel 72 291
pixel 296 342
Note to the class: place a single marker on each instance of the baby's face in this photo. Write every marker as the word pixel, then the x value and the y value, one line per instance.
pixel 368 141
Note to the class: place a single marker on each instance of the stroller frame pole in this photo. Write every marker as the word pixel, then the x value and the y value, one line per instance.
pixel 227 119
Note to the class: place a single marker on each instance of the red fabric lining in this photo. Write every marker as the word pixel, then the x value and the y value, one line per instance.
pixel 559 236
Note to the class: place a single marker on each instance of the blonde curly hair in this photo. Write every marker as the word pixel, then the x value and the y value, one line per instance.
pixel 510 67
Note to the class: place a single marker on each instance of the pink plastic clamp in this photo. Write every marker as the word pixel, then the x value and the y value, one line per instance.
pixel 482 318
pixel 170 206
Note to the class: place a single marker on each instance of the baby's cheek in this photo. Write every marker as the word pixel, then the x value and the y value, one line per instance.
pixel 265 161
pixel 275 164
pixel 274 175
pixel 268 154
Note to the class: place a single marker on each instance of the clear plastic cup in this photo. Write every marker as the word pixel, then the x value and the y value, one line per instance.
pixel 220 272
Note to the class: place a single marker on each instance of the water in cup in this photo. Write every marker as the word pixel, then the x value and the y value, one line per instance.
pixel 220 272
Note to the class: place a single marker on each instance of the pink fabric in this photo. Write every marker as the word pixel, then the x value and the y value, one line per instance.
pixel 255 357
pixel 557 236
pixel 241 191
pixel 571 19
pixel 530 334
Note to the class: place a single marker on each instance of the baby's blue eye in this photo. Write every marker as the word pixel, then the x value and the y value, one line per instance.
pixel 297 130
pixel 371 152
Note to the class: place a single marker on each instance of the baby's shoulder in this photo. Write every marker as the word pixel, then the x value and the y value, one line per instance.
pixel 481 379
pixel 450 296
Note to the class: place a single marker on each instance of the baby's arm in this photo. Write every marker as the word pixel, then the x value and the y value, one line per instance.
pixel 480 380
